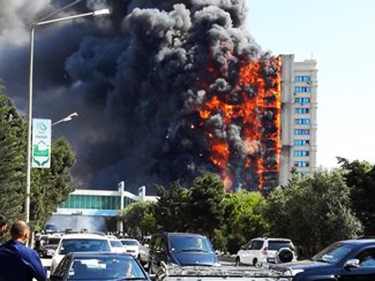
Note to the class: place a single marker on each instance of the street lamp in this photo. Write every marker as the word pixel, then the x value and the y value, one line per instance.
pixel 31 74
pixel 66 119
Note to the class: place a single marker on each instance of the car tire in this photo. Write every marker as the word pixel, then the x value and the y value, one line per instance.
pixel 255 262
pixel 284 255
pixel 238 261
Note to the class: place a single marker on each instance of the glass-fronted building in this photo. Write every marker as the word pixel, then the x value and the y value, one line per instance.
pixel 89 209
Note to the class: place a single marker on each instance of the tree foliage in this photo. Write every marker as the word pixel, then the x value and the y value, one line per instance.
pixel 51 187
pixel 360 178
pixel 138 219
pixel 243 220
pixel 313 211
pixel 13 159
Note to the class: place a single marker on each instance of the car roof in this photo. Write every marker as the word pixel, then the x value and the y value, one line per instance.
pixel 361 241
pixel 184 234
pixel 84 236
pixel 272 239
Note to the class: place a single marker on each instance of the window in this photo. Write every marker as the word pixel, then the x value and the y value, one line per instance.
pixel 302 132
pixel 302 121
pixel 299 89
pixel 303 78
pixel 302 110
pixel 301 164
pixel 302 100
pixel 301 142
pixel 301 153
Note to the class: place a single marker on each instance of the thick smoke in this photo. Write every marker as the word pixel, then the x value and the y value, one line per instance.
pixel 137 80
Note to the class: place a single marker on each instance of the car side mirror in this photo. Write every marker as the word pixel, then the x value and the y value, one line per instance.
pixel 352 263
pixel 243 247
pixel 146 245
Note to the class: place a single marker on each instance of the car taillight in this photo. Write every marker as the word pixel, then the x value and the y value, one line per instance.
pixel 265 250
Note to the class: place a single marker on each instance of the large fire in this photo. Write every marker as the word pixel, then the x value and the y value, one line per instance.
pixel 253 107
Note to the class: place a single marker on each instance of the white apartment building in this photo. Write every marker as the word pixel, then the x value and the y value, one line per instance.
pixel 298 117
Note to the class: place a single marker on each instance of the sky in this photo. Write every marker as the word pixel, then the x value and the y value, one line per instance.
pixel 339 35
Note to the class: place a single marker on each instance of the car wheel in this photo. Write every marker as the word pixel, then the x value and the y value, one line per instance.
pixel 255 262
pixel 238 261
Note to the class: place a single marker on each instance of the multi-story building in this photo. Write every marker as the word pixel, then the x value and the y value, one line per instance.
pixel 298 117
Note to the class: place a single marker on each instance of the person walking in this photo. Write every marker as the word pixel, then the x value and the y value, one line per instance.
pixel 17 261
pixel 3 225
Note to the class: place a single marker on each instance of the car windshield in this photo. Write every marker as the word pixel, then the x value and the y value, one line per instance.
pixel 54 240
pixel 83 245
pixel 129 242
pixel 181 243
pixel 334 253
pixel 106 268
pixel 116 243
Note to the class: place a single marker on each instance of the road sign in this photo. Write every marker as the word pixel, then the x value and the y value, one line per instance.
pixel 41 144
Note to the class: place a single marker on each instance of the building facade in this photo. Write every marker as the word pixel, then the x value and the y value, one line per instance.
pixel 298 117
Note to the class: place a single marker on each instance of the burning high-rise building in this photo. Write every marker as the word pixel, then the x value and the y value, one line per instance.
pixel 165 91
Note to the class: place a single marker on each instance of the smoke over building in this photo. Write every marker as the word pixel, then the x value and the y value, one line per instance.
pixel 165 90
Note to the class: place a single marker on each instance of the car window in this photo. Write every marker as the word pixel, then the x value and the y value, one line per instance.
pixel 181 243
pixel 54 240
pixel 116 243
pixel 275 245
pixel 129 242
pixel 256 245
pixel 334 253
pixel 366 258
pixel 83 245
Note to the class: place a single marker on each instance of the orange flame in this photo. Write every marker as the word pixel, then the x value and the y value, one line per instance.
pixel 259 112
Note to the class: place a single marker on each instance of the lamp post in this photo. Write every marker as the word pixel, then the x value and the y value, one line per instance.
pixel 31 74
pixel 66 119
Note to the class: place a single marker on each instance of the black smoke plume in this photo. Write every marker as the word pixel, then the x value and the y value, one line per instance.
pixel 136 79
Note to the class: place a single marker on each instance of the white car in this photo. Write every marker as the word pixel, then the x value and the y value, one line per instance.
pixel 131 246
pixel 82 242
pixel 266 250
pixel 116 245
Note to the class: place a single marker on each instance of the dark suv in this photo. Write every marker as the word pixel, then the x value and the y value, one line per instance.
pixel 348 260
pixel 183 249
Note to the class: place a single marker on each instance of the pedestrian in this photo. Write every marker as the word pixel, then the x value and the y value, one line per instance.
pixel 17 261
pixel 3 225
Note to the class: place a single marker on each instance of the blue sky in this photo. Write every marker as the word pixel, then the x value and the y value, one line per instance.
pixel 340 36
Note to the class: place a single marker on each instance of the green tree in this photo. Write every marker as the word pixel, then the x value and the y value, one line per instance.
pixel 138 219
pixel 242 219
pixel 170 210
pixel 51 187
pixel 13 159
pixel 313 211
pixel 205 209
pixel 360 178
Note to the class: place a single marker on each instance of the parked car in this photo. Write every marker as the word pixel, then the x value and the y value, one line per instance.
pixel 102 266
pixel 131 246
pixel 51 245
pixel 183 249
pixel 342 261
pixel 266 250
pixel 83 242
pixel 116 245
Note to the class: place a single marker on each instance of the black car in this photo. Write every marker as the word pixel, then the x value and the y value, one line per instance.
pixel 102 266
pixel 183 249
pixel 348 260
